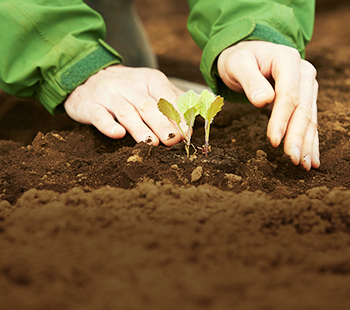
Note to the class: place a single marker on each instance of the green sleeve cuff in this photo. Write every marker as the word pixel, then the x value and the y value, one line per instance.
pixel 230 35
pixel 55 89
pixel 244 29
pixel 266 33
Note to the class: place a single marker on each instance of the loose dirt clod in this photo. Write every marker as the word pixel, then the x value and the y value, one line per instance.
pixel 196 174
pixel 135 158
pixel 233 178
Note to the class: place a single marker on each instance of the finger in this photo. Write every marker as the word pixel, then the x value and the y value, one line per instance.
pixel 145 103
pixel 128 117
pixel 104 121
pixel 147 108
pixel 315 161
pixel 302 125
pixel 242 67
pixel 308 157
pixel 131 120
pixel 315 158
pixel 286 73
pixel 94 114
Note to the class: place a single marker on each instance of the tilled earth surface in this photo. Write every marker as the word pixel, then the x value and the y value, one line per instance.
pixel 91 223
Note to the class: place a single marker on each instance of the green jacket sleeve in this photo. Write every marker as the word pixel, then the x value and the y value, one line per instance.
pixel 48 48
pixel 216 25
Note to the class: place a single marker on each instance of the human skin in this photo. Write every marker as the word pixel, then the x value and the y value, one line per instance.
pixel 250 66
pixel 119 99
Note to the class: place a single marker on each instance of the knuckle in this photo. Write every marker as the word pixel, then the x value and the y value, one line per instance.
pixel 237 56
pixel 254 82
pixel 308 70
pixel 313 126
pixel 125 109
pixel 156 74
pixel 105 86
pixel 296 140
pixel 291 99
pixel 147 106
pixel 155 77
pixel 97 118
pixel 306 111
pixel 294 53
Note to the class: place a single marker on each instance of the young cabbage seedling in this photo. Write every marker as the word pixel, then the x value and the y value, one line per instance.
pixel 209 107
pixel 188 104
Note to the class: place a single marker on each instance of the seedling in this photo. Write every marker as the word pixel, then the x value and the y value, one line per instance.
pixel 209 107
pixel 190 104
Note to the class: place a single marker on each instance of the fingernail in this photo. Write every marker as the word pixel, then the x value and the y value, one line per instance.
pixel 307 161
pixel 144 136
pixel 169 134
pixel 296 153
pixel 148 140
pixel 260 94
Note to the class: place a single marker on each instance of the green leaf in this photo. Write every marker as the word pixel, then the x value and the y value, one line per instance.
pixel 214 108
pixel 207 99
pixel 190 116
pixel 188 100
pixel 169 111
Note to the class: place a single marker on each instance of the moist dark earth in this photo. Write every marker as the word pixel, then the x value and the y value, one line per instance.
pixel 87 222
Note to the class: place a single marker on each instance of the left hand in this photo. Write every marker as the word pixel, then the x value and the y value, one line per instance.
pixel 119 99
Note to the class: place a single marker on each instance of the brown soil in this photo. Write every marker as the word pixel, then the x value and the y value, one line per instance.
pixel 91 223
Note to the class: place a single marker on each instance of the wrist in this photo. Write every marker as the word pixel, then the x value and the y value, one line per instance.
pixel 58 86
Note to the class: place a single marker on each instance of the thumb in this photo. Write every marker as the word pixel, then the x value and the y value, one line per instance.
pixel 261 95
pixel 244 70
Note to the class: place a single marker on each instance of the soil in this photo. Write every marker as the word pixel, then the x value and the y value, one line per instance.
pixel 87 222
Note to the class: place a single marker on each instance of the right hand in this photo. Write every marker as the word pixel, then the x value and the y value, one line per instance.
pixel 274 74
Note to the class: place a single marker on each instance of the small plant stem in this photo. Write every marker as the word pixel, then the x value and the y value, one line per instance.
pixel 189 135
pixel 182 132
pixel 188 140
pixel 207 129
pixel 187 147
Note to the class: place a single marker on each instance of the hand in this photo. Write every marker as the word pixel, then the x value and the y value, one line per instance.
pixel 129 95
pixel 254 67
